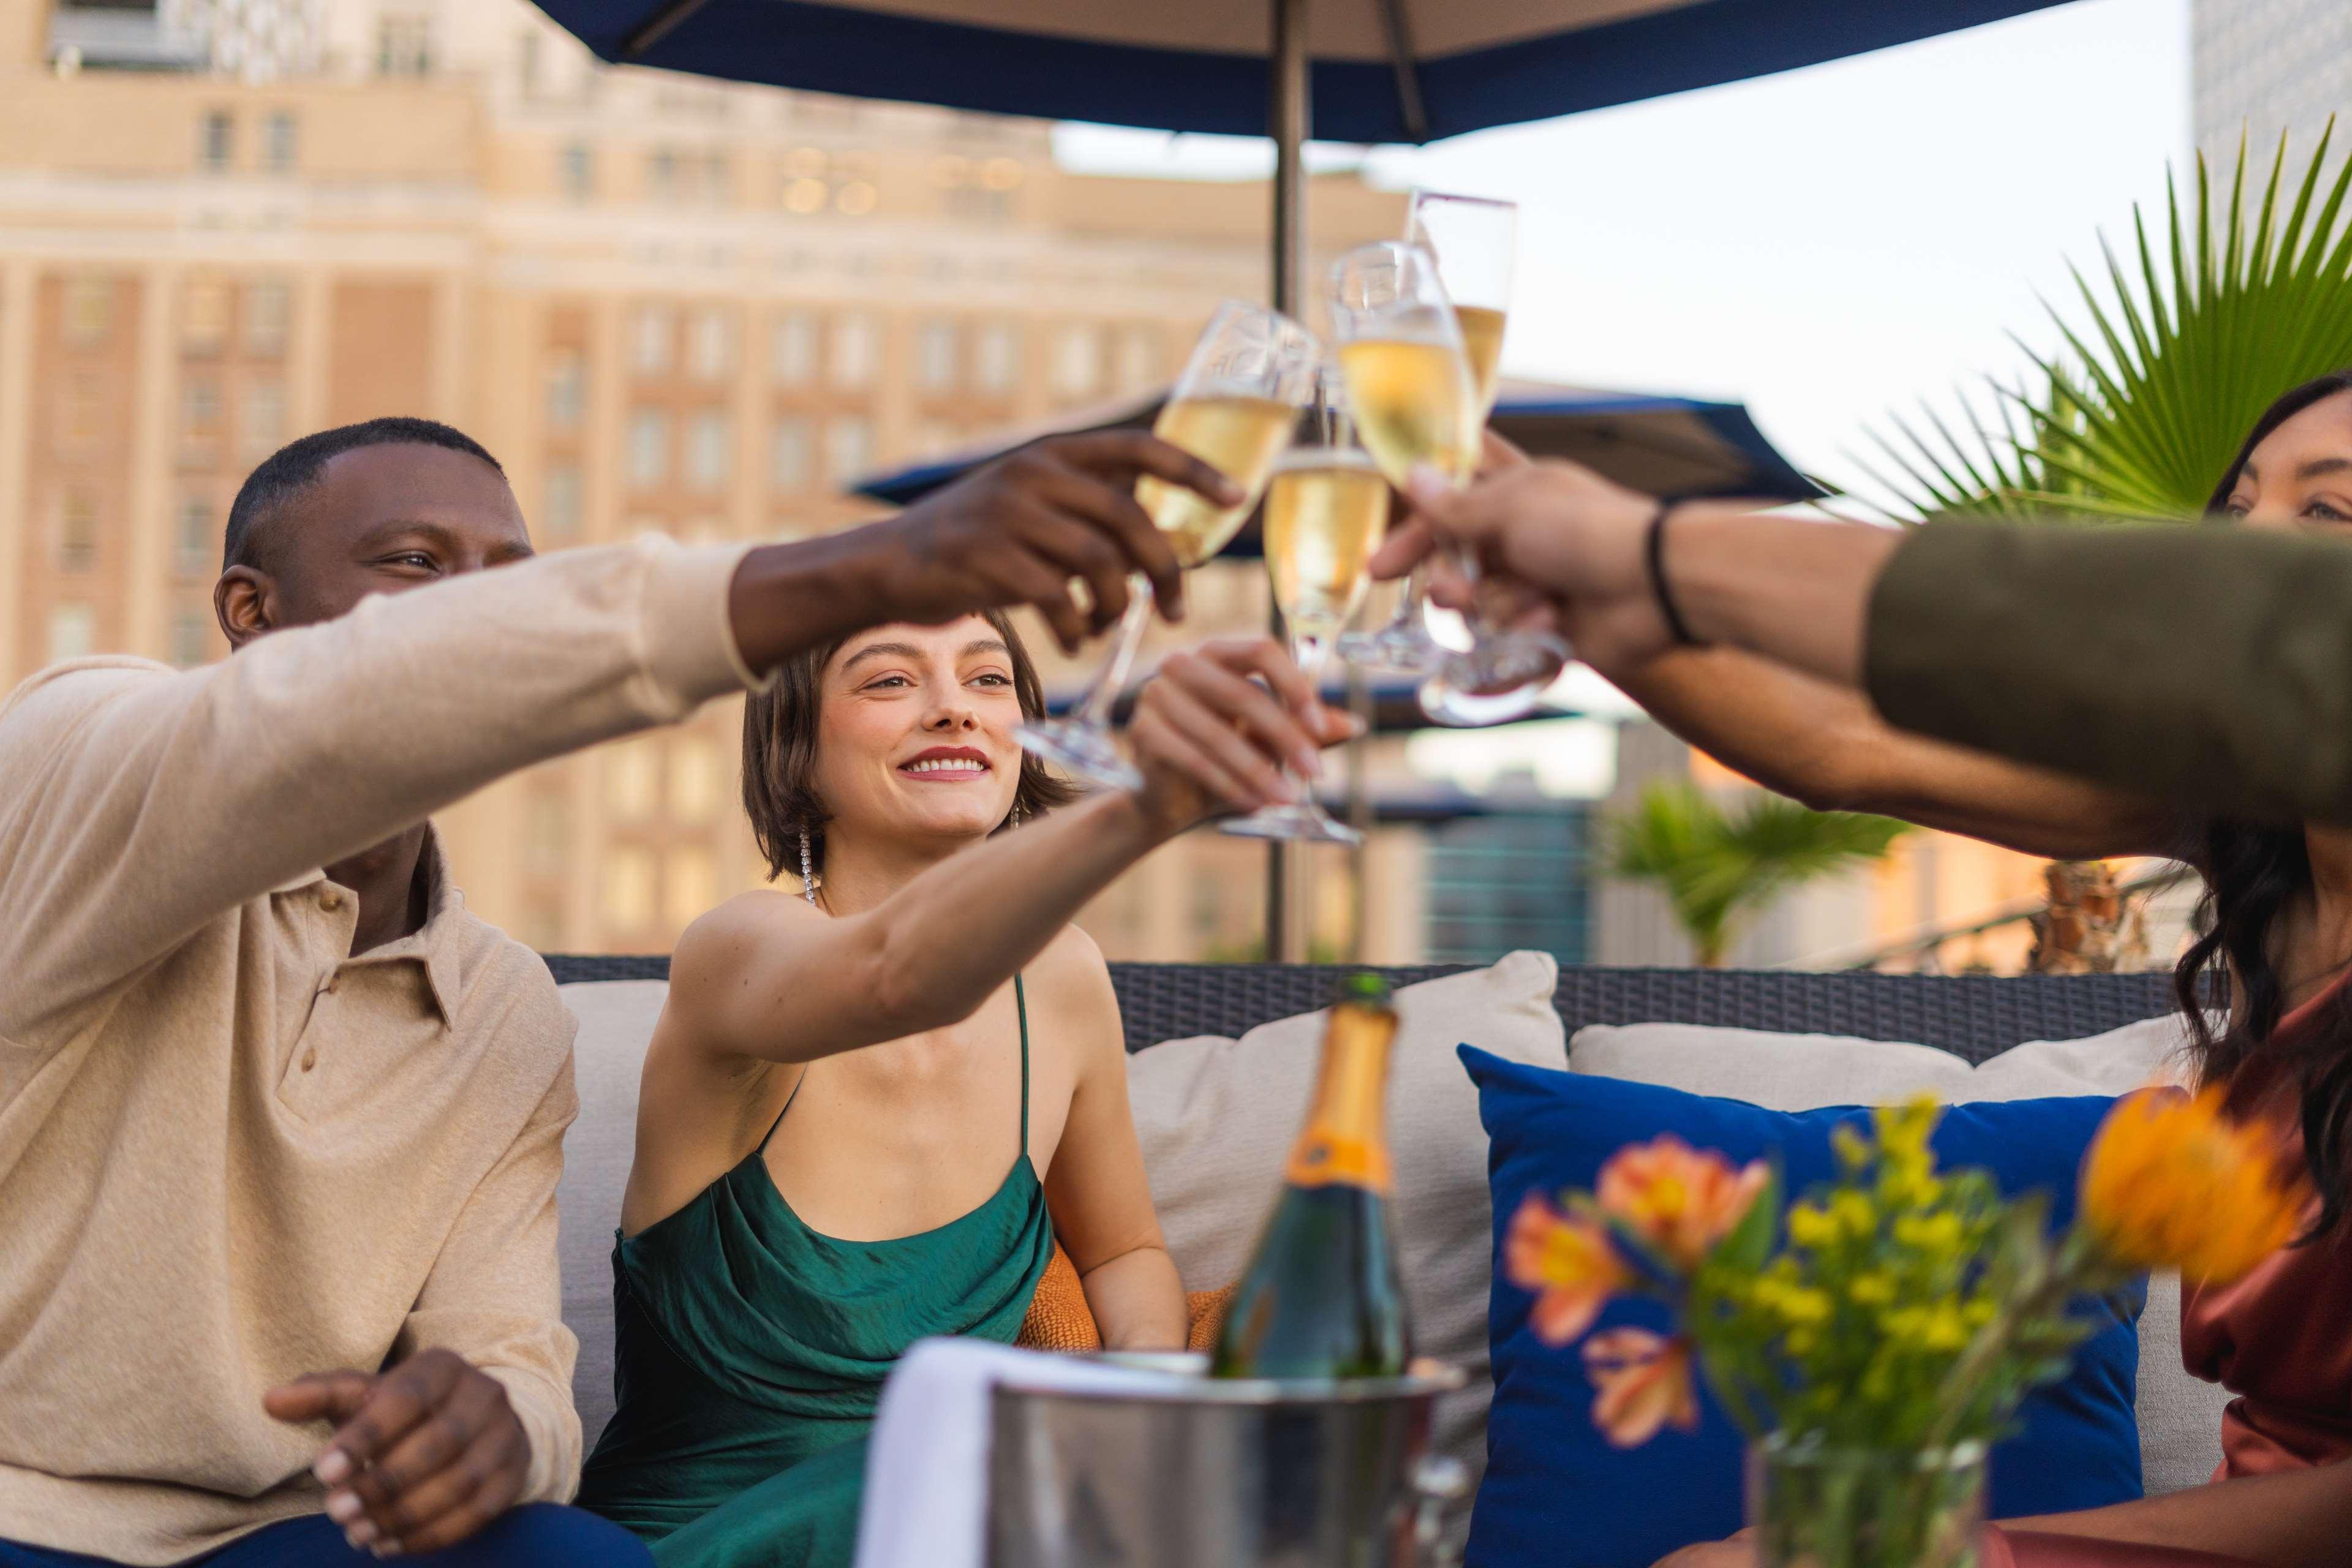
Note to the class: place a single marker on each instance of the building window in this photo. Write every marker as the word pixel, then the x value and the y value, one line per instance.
pixel 77 532
pixel 935 356
pixel 1077 360
pixel 856 351
pixel 791 350
pixel 718 179
pixel 692 885
pixel 195 546
pixel 73 632
pixel 215 141
pixel 632 778
pixel 649 447
pixel 698 784
pixel 1139 358
pixel 191 638
pixel 576 171
pixel 791 456
pixel 996 358
pixel 711 344
pixel 90 312
pixel 546 838
pixel 564 488
pixel 661 174
pixel 650 343
pixel 83 419
pixel 281 142
pixel 404 45
pixel 628 888
pixel 201 409
pixel 708 441
pixel 856 198
pixel 265 418
pixel 848 448
pixel 567 390
pixel 269 319
pixel 204 317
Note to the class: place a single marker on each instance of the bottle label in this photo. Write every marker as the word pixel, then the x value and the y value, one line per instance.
pixel 1329 1159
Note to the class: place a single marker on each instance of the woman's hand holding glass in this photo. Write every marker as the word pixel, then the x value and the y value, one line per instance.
pixel 1221 726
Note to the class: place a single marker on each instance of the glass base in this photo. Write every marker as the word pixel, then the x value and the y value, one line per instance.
pixel 1082 750
pixel 1306 821
pixel 1501 679
pixel 1401 646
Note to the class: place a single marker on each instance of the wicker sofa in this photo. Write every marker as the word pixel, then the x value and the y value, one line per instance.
pixel 1976 1017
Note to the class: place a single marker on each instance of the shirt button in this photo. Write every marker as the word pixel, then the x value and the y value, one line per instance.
pixel 310 1059
pixel 331 901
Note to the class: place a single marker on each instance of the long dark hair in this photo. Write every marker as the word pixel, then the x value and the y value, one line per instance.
pixel 2255 872
pixel 780 728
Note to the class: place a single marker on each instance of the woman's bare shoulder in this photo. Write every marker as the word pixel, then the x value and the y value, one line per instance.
pixel 732 937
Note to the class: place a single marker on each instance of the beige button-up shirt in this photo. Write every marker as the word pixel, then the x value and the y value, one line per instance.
pixel 231 1154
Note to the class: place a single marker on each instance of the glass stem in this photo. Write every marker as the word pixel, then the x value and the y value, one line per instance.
pixel 1311 651
pixel 1102 698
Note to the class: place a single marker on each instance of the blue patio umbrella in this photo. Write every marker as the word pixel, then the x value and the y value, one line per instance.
pixel 1379 70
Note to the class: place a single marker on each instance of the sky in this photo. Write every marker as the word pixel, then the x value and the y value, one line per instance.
pixel 1825 245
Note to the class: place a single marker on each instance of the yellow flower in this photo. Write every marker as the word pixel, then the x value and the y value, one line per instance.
pixel 1804 1305
pixel 2176 1182
pixel 1567 1261
pixel 1679 1201
pixel 1871 1289
pixel 1944 1329
pixel 1810 1225
pixel 1933 1233
pixel 1853 1212
pixel 1852 1149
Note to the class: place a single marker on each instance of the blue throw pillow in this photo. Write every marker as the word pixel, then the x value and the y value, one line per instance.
pixel 1558 1495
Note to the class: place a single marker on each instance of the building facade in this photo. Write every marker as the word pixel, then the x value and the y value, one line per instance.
pixel 2268 68
pixel 667 304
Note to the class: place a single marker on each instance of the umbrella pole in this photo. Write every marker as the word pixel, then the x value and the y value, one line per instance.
pixel 1288 115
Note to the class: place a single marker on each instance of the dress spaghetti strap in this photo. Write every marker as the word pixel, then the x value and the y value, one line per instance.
pixel 1019 1004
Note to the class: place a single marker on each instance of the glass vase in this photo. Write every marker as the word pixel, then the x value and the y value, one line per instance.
pixel 1812 1506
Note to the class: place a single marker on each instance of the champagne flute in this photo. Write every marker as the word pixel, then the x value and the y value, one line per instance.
pixel 1235 408
pixel 1326 510
pixel 1501 675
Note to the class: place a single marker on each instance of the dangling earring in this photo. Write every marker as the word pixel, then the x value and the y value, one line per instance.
pixel 808 876
pixel 1016 811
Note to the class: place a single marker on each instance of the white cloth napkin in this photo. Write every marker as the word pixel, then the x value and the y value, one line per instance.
pixel 927 1465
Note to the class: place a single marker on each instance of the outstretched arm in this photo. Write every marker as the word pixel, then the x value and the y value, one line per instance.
pixel 767 977
pixel 137 804
pixel 1824 745
pixel 2206 666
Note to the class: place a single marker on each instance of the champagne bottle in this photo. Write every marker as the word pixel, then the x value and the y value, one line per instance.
pixel 1321 1296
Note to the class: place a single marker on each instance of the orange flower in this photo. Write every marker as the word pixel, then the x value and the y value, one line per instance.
pixel 1567 1261
pixel 1679 1201
pixel 1644 1382
pixel 2173 1182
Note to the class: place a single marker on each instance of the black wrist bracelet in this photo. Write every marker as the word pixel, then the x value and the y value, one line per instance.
pixel 1654 551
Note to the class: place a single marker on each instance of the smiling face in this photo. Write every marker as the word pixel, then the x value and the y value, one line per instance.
pixel 2300 476
pixel 915 733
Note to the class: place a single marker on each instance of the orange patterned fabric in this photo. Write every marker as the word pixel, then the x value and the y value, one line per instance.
pixel 1060 1320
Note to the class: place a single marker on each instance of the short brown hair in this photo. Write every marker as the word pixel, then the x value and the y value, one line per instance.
pixel 780 728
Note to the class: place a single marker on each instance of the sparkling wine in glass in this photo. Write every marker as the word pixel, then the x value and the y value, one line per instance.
pixel 1233 408
pixel 1501 675
pixel 1327 508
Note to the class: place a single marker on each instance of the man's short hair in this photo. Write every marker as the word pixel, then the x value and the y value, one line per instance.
pixel 298 465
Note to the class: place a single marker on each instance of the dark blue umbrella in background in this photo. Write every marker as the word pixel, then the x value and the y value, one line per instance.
pixel 1374 70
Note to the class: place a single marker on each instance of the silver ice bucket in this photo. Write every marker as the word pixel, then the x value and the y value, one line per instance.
pixel 1240 1474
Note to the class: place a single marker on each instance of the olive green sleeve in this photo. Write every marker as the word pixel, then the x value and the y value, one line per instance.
pixel 2212 666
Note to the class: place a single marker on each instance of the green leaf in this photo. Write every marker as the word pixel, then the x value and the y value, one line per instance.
pixel 2165 362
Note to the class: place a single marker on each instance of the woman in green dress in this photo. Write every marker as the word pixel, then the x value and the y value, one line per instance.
pixel 875 1100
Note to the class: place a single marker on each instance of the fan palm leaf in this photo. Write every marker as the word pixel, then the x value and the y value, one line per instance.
pixel 1720 869
pixel 2173 356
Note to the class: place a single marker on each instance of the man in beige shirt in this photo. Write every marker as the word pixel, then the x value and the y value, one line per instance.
pixel 280 1122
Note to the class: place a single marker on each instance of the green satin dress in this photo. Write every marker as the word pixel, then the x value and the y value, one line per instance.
pixel 750 1351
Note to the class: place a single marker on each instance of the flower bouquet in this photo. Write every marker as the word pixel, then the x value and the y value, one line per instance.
pixel 1873 1346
